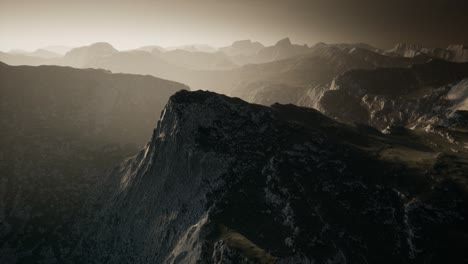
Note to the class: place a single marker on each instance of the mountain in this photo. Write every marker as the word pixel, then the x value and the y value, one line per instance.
pixel 420 95
pixel 194 48
pixel 242 48
pixel 79 57
pixel 281 50
pixel 224 181
pixel 42 53
pixel 151 48
pixel 168 66
pixel 137 62
pixel 60 49
pixel 248 52
pixel 456 53
pixel 16 58
pixel 62 128
pixel 196 60
pixel 18 51
pixel 308 75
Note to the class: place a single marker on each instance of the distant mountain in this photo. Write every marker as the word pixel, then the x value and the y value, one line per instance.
pixel 79 57
pixel 137 62
pixel 242 48
pixel 457 53
pixel 18 51
pixel 191 68
pixel 42 53
pixel 16 58
pixel 196 60
pixel 61 129
pixel 151 48
pixel 308 75
pixel 194 48
pixel 283 49
pixel 248 52
pixel 224 181
pixel 421 95
pixel 60 49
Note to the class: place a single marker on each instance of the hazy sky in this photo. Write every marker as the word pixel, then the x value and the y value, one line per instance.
pixel 29 24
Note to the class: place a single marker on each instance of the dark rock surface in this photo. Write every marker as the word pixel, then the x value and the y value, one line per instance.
pixel 224 181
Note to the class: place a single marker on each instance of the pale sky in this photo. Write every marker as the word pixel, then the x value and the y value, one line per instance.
pixel 31 24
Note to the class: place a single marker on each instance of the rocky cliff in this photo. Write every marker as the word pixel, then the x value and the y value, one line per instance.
pixel 224 181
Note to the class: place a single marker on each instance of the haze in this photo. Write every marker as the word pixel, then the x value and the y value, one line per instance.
pixel 28 25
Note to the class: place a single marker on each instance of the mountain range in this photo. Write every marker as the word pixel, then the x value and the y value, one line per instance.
pixel 333 153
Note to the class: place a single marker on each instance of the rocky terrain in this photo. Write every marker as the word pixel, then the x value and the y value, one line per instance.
pixel 309 75
pixel 62 129
pixel 456 53
pixel 377 174
pixel 416 96
pixel 224 181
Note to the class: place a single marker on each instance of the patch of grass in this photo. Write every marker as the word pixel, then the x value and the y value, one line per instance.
pixel 246 247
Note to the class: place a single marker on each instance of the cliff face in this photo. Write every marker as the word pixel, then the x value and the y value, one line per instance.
pixel 224 181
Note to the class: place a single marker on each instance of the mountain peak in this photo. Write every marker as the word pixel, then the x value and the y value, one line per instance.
pixel 102 45
pixel 284 42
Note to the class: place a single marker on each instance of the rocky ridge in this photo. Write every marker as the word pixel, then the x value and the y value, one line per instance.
pixel 417 96
pixel 456 53
pixel 224 181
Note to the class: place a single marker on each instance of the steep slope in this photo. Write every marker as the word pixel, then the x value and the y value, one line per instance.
pixel 423 94
pixel 60 129
pixel 224 181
